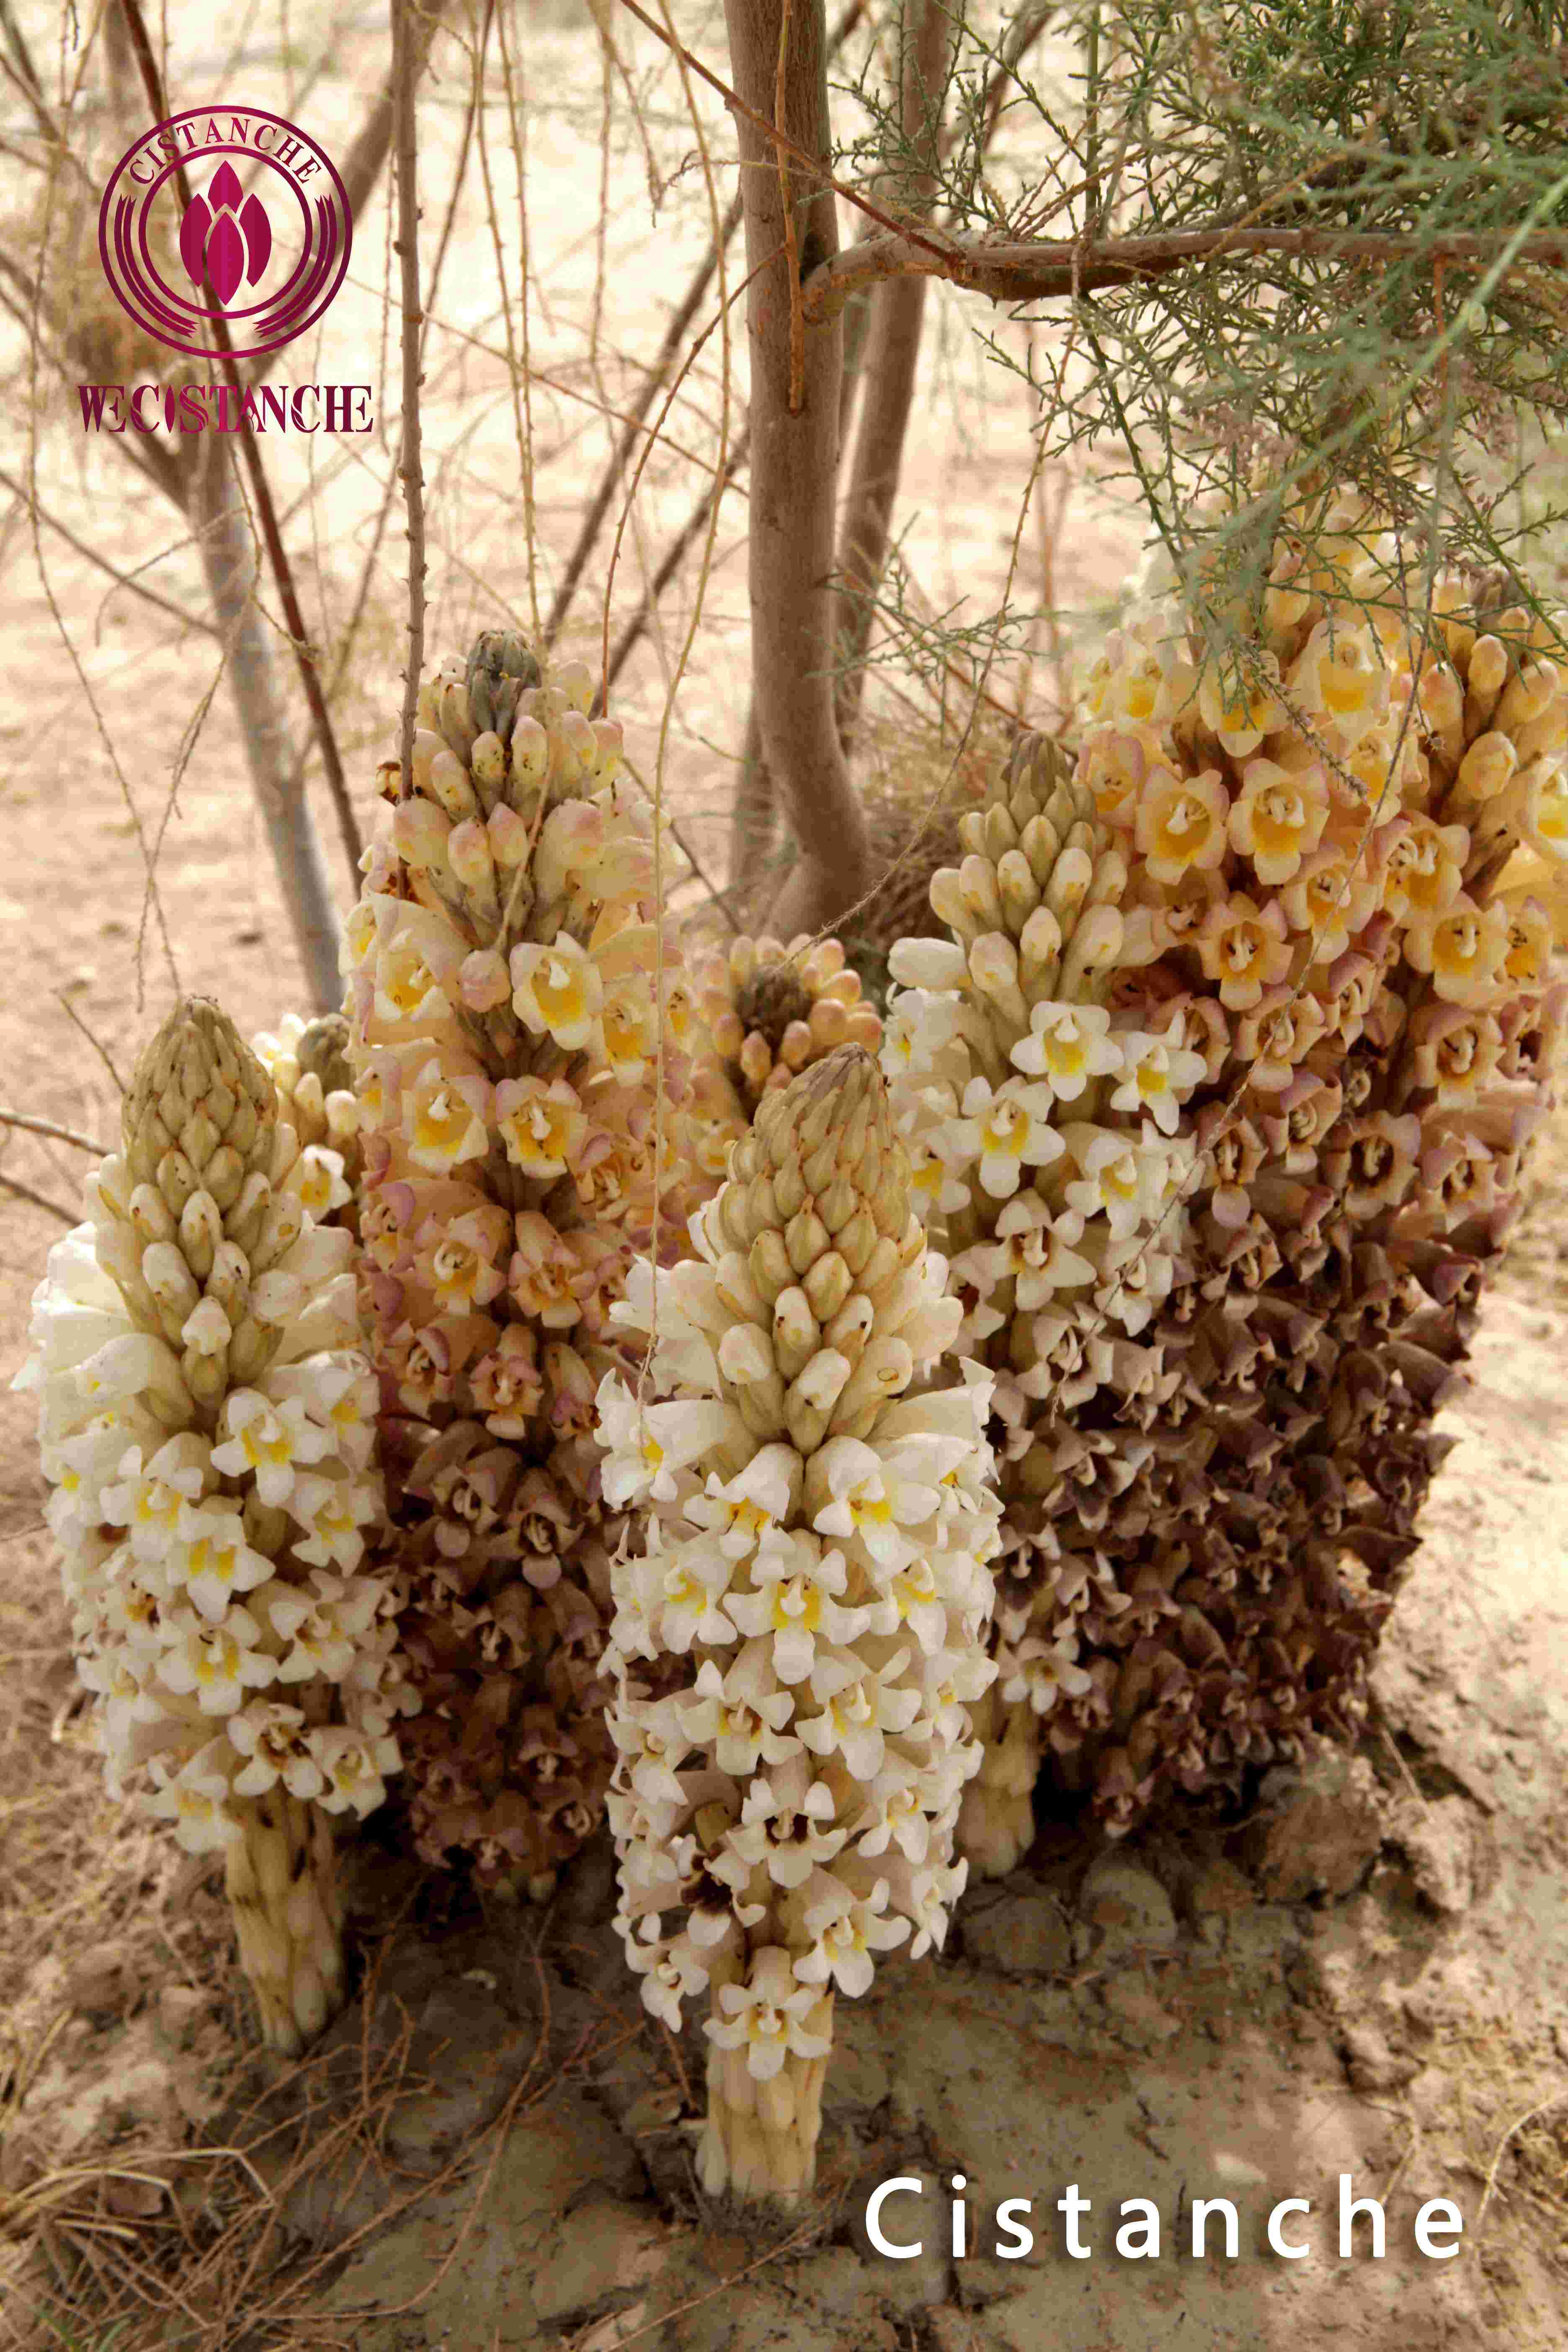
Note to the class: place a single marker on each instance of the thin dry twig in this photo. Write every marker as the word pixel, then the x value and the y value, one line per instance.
pixel 1558 2098
pixel 669 564
pixel 631 424
pixel 39 1200
pixel 809 164
pixel 35 1126
pixel 186 619
pixel 98 1047
pixel 411 470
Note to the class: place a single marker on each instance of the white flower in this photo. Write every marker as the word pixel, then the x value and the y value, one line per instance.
pixel 665 1984
pixel 78 1468
pixel 322 1622
pixel 860 1704
pixel 646 1445
pixel 273 1740
pixel 1118 1178
pixel 1158 1074
pixel 854 1490
pixel 147 1499
pixel 737 1716
pixel 339 1389
pixel 1040 1250
pixel 739 1512
pixel 788 1826
pixel 936 1188
pixel 1066 1048
pixel 895 1803
pixel 215 1665
pixel 765 2017
pixel 920 1025
pixel 795 1598
pixel 331 1510
pixel 118 1374
pixel 695 1580
pixel 195 1800
pixel 926 1898
pixel 131 1614
pixel 1006 1129
pixel 912 1598
pixel 211 1558
pixel 317 1179
pixel 846 1931
pixel 652 1732
pixel 353 1765
pixel 268 1441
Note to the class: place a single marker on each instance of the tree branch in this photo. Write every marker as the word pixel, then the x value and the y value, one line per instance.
pixel 47 1127
pixel 39 1200
pixel 793 457
pixel 410 464
pixel 894 349
pixel 229 567
pixel 1052 268
pixel 642 400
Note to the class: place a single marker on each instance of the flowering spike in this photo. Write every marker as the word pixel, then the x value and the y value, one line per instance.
pixel 797 1647
pixel 516 1015
pixel 206 1428
pixel 1210 1106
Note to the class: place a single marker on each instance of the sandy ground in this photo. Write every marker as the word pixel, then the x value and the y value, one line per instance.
pixel 1366 1979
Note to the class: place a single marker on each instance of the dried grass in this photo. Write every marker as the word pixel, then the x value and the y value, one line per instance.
pixel 188 2249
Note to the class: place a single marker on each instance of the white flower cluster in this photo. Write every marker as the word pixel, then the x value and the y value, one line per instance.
pixel 1042 1123
pixel 209 1447
pixel 816 1586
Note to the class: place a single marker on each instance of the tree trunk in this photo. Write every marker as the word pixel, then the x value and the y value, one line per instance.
pixel 892 357
pixel 795 450
pixel 229 564
pixel 754 819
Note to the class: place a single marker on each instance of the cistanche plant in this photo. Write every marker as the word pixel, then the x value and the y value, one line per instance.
pixel 207 1425
pixel 798 1637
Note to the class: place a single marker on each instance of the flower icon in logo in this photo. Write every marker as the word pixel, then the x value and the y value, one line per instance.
pixel 249 272
pixel 227 240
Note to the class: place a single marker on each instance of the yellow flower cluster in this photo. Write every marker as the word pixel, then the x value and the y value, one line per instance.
pixel 510 984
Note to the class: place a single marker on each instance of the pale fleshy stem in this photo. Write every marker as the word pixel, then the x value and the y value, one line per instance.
pixel 279 1878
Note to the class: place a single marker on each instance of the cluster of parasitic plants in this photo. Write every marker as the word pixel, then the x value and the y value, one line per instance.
pixel 1063 1396
pixel 1217 1094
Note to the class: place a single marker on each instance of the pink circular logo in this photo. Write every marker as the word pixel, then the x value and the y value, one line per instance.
pixel 267 263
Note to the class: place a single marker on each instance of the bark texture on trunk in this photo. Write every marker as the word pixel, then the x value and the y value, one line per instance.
pixel 228 562
pixel 794 453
